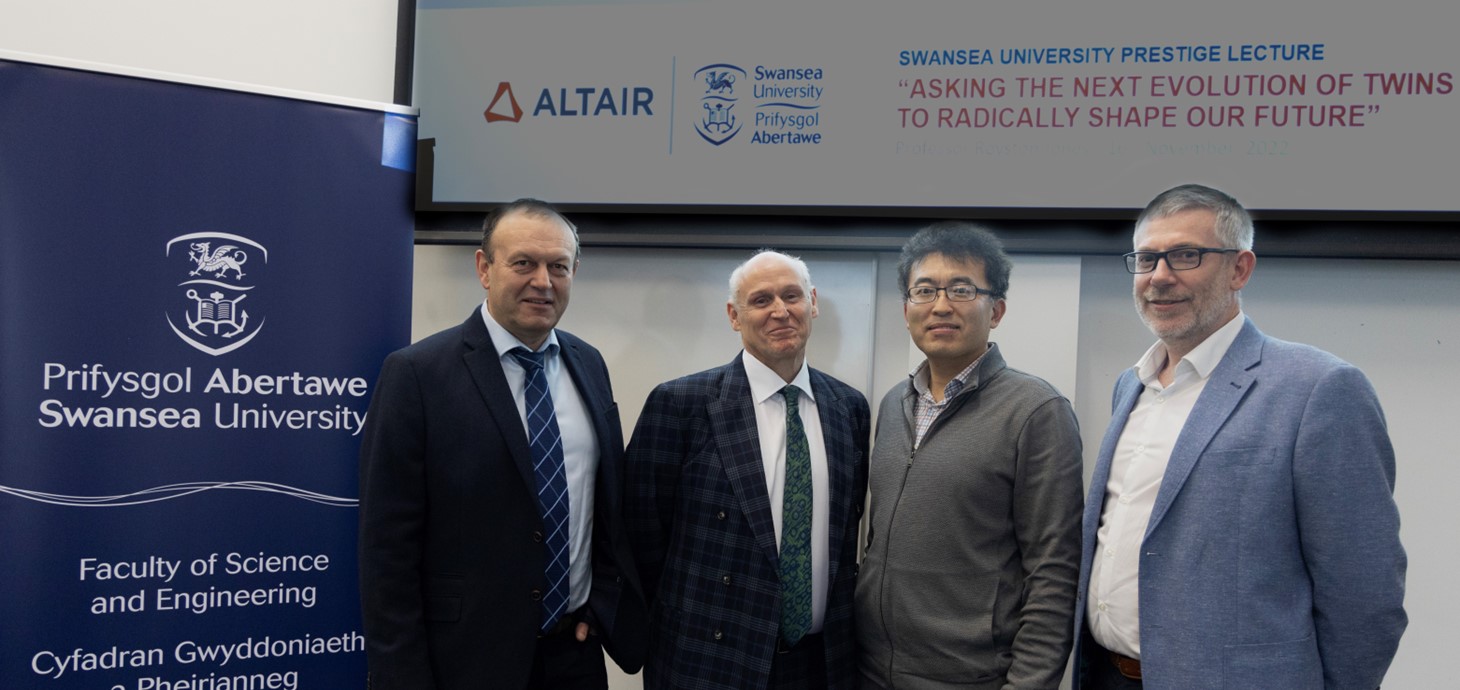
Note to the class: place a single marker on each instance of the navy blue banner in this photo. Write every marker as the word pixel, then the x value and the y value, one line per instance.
pixel 197 287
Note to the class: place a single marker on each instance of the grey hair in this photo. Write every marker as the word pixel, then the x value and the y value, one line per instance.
pixel 738 275
pixel 1234 225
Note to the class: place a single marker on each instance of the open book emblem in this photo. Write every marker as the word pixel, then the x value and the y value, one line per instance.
pixel 217 312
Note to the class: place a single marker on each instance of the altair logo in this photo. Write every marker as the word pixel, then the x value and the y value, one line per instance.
pixel 574 101
pixel 493 114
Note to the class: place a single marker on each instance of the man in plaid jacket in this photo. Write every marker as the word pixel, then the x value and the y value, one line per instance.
pixel 709 474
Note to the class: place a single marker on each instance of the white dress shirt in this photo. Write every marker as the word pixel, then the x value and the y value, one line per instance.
pixel 770 422
pixel 580 448
pixel 1136 471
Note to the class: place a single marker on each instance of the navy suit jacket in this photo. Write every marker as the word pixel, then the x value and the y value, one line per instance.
pixel 1272 557
pixel 451 556
pixel 700 522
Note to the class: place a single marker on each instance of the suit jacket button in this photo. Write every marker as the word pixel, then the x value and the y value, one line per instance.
pixel 720 515
pixel 537 537
pixel 725 579
pixel 719 635
pixel 535 595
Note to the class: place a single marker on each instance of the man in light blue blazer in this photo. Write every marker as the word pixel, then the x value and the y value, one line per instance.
pixel 1241 530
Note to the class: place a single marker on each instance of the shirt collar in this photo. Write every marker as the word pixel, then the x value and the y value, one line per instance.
pixel 1203 359
pixel 765 383
pixel 505 342
pixel 922 377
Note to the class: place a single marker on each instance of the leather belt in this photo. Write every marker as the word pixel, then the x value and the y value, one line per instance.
pixel 1128 667
pixel 806 641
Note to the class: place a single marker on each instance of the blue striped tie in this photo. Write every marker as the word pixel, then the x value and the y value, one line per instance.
pixel 552 485
pixel 795 527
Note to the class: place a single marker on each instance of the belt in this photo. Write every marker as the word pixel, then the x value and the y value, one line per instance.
pixel 1128 667
pixel 564 623
pixel 805 642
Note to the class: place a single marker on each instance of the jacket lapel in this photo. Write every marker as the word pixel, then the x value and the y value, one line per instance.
pixel 732 418
pixel 597 400
pixel 836 436
pixel 1226 388
pixel 482 361
pixel 593 394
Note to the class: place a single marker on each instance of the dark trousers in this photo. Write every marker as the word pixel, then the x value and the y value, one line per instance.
pixel 802 667
pixel 561 662
pixel 1097 671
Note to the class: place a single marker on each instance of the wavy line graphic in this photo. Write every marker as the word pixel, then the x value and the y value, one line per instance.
pixel 200 281
pixel 171 491
pixel 788 105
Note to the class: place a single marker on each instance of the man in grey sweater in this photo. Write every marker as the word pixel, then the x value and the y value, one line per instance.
pixel 973 555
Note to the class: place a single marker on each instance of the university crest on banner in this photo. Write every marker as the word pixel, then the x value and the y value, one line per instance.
pixel 221 270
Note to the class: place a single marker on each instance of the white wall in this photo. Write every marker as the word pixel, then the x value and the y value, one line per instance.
pixel 333 47
pixel 657 314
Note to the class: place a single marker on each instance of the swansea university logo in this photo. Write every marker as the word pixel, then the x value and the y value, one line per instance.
pixel 719 123
pixel 211 314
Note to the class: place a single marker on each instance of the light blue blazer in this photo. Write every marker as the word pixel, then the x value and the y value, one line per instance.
pixel 1272 558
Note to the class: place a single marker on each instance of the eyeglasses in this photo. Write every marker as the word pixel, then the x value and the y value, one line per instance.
pixel 1183 259
pixel 924 294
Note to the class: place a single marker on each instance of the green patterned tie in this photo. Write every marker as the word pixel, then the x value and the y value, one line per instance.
pixel 795 527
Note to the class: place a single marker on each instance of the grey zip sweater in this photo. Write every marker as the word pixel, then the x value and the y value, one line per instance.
pixel 972 560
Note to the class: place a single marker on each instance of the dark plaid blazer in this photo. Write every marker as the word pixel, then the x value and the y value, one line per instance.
pixel 700 525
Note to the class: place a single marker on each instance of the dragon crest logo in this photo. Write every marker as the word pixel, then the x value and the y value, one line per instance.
pixel 719 123
pixel 210 315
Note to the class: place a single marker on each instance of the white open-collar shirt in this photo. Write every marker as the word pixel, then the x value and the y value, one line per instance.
pixel 1136 470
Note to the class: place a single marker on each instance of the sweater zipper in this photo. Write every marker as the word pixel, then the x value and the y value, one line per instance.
pixel 886 558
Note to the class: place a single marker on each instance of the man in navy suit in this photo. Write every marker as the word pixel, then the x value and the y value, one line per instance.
pixel 1241 530
pixel 472 573
pixel 746 485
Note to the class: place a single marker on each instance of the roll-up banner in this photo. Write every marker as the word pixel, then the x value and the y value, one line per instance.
pixel 197 287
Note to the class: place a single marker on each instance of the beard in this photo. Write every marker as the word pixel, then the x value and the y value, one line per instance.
pixel 1208 308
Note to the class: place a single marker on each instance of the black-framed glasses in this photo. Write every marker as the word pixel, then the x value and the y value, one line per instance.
pixel 1183 259
pixel 963 292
